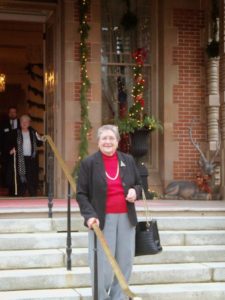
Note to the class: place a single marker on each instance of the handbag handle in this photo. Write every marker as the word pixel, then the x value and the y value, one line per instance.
pixel 147 214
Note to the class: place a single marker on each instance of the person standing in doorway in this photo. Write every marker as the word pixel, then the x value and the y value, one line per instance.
pixel 23 148
pixel 108 185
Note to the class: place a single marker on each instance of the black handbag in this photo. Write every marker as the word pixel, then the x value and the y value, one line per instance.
pixel 147 239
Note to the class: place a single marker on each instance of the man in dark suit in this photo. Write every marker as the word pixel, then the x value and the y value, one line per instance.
pixel 12 122
pixel 8 125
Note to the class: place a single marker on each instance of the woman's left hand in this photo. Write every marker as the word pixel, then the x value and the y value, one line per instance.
pixel 39 137
pixel 131 196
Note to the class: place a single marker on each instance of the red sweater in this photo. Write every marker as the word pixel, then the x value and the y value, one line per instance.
pixel 115 200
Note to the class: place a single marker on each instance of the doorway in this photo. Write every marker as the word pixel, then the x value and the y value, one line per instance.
pixel 23 60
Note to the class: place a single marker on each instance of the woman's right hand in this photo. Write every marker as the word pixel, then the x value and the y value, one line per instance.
pixel 91 222
pixel 12 151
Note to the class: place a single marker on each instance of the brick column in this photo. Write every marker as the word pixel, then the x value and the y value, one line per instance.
pixel 222 93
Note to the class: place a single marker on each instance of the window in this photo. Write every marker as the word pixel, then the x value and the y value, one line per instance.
pixel 118 44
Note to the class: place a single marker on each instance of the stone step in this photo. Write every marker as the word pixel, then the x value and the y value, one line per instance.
pixel 28 259
pixel 191 223
pixel 164 223
pixel 170 255
pixel 191 266
pixel 184 291
pixel 31 259
pixel 26 225
pixel 156 207
pixel 177 273
pixel 49 278
pixel 40 225
pixel 192 238
pixel 80 277
pixel 207 237
pixel 56 240
pixel 60 224
pixel 187 291
pixel 45 240
pixel 184 254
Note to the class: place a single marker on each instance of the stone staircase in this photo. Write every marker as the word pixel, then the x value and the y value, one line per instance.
pixel 191 266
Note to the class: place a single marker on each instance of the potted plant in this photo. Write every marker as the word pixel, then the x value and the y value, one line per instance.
pixel 130 124
pixel 138 131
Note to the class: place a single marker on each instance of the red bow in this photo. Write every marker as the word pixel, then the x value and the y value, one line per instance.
pixel 140 55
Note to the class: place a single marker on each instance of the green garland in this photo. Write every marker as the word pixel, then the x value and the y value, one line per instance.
pixel 137 118
pixel 84 28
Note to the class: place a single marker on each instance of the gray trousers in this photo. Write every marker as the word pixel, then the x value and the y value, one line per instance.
pixel 120 235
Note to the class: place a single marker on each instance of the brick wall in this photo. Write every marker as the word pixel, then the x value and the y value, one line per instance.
pixel 189 91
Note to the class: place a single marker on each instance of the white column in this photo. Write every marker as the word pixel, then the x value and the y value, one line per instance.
pixel 222 94
pixel 213 102
pixel 223 148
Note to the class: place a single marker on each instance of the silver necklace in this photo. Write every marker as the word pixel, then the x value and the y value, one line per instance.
pixel 115 177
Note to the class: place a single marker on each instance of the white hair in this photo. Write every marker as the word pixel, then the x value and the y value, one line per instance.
pixel 113 128
pixel 25 117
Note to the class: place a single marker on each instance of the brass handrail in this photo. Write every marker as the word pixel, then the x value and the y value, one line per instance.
pixel 60 161
pixel 123 284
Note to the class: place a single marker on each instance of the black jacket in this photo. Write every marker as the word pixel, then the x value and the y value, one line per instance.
pixel 92 186
pixel 13 140
pixel 5 135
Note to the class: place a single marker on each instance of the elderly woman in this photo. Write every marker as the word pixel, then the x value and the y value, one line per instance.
pixel 24 142
pixel 108 185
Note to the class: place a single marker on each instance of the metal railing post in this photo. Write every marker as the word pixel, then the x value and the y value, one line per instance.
pixel 95 268
pixel 69 243
pixel 50 200
pixel 50 185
